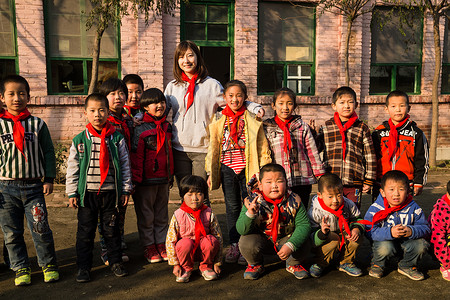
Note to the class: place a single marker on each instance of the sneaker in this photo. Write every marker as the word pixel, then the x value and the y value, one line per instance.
pixel 104 257
pixel 233 254
pixel 350 269
pixel 83 276
pixel 125 257
pixel 411 273
pixel 184 277
pixel 376 271
pixel 162 251
pixel 209 274
pixel 298 271
pixel 51 273
pixel 445 273
pixel 253 272
pixel 315 270
pixel 23 277
pixel 119 270
pixel 242 261
pixel 152 255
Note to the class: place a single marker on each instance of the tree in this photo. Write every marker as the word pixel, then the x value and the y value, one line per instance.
pixel 105 13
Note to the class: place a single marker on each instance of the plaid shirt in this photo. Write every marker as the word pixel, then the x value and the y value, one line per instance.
pixel 360 165
pixel 302 163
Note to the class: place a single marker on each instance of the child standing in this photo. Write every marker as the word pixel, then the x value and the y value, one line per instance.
pixel 27 157
pixel 347 145
pixel 135 86
pixel 98 182
pixel 334 221
pixel 194 233
pixel 440 232
pixel 274 221
pixel 292 145
pixel 152 168
pixel 237 149
pixel 396 223
pixel 400 144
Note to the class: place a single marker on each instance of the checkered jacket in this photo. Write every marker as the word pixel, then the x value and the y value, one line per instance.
pixel 303 163
pixel 360 165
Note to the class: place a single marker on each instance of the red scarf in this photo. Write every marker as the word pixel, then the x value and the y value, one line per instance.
pixel 18 130
pixel 343 129
pixel 123 124
pixel 190 90
pixel 284 125
pixel 107 131
pixel 235 120
pixel 343 222
pixel 199 228
pixel 393 136
pixel 275 218
pixel 160 133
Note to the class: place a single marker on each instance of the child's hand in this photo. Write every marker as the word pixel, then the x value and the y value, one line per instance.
pixel 124 199
pixel 177 270
pixel 252 207
pixel 397 231
pixel 217 269
pixel 208 181
pixel 407 232
pixel 324 226
pixel 73 202
pixel 48 188
pixel 261 113
pixel 355 235
pixel 366 188
pixel 418 190
pixel 284 252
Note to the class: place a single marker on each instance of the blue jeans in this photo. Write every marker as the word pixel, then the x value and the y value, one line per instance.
pixel 412 251
pixel 19 198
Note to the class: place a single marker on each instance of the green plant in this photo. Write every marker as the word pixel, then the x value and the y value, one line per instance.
pixel 61 158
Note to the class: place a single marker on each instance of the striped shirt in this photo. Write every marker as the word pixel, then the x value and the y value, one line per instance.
pixel 93 173
pixel 39 160
pixel 233 155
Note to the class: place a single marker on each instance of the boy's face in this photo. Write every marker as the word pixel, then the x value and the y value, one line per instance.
pixel 15 97
pixel 156 109
pixel 395 192
pixel 97 114
pixel 234 97
pixel 283 107
pixel 333 198
pixel 273 185
pixel 194 199
pixel 397 108
pixel 345 106
pixel 134 94
pixel 116 100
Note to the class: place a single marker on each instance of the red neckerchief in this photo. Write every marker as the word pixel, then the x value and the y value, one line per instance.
pixel 18 130
pixel 235 120
pixel 275 218
pixel 190 90
pixel 343 222
pixel 284 125
pixel 446 199
pixel 128 109
pixel 343 129
pixel 393 136
pixel 199 228
pixel 108 130
pixel 160 133
pixel 123 124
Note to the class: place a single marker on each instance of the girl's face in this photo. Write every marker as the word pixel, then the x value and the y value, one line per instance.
pixel 116 100
pixel 235 97
pixel 134 94
pixel 194 200
pixel 283 107
pixel 156 109
pixel 188 62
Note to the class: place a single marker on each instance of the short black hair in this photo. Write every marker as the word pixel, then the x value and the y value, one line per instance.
pixel 271 168
pixel 237 83
pixel 16 79
pixel 113 84
pixel 152 96
pixel 193 184
pixel 448 187
pixel 96 97
pixel 133 78
pixel 329 181
pixel 397 93
pixel 284 91
pixel 343 90
pixel 395 175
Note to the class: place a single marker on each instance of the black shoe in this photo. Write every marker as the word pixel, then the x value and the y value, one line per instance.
pixel 83 276
pixel 119 270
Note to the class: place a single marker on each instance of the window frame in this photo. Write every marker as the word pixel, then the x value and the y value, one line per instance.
pixel 12 5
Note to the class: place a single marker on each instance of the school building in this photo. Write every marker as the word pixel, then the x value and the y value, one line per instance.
pixel 266 44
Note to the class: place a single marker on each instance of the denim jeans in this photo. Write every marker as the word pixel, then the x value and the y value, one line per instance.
pixel 234 191
pixel 412 251
pixel 19 198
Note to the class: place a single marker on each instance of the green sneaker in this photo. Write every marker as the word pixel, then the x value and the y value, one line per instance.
pixel 51 273
pixel 23 277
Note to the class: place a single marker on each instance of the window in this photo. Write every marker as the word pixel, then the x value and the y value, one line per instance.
pixel 8 56
pixel 396 50
pixel 70 47
pixel 286 48
pixel 445 86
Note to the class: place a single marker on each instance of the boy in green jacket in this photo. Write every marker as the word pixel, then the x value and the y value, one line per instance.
pixel 273 220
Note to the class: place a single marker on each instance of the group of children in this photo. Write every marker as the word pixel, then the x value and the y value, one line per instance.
pixel 126 149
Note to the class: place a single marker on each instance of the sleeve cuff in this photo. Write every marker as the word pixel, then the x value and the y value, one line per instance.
pixel 49 180
pixel 248 214
pixel 290 245
pixel 322 236
pixel 369 182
